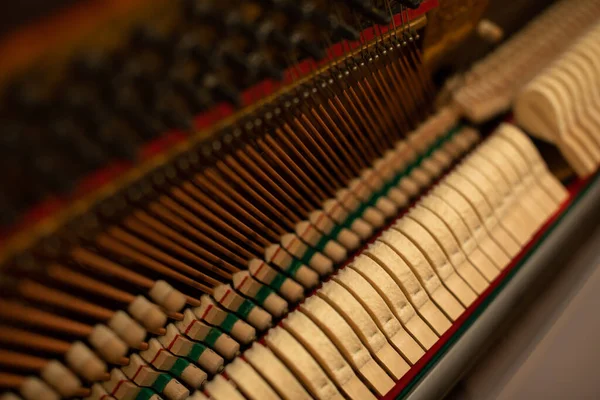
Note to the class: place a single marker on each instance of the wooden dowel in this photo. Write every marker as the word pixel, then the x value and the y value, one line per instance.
pixel 14 336
pixel 110 268
pixel 11 381
pixel 34 291
pixel 18 312
pixel 21 361
pixel 82 281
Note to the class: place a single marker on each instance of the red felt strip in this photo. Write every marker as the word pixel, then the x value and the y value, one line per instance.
pixel 104 176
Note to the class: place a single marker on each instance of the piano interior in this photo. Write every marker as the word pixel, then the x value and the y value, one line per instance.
pixel 279 199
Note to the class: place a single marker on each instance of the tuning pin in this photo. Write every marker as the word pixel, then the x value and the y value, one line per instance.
pixel 146 36
pixel 138 195
pixel 197 98
pixel 316 16
pixel 91 66
pixel 129 106
pixel 103 127
pixel 8 213
pixel 265 68
pixel 166 107
pixel 9 283
pixel 236 60
pixel 11 138
pixel 12 152
pixel 341 31
pixel 328 23
pixel 26 99
pixel 291 9
pixel 83 106
pixel 115 140
pixel 234 23
pixel 267 32
pixel 203 12
pixel 147 126
pixel 222 91
pixel 189 48
pixel 41 161
pixel 268 70
pixel 414 4
pixel 407 37
pixel 311 49
pixel 163 177
pixel 187 8
pixel 25 95
pixel 46 168
pixel 112 208
pixel 69 135
pixel 365 8
pixel 266 3
pixel 50 246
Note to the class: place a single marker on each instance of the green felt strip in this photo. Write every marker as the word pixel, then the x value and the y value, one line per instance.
pixel 372 200
pixel 322 242
pixel 391 183
pixel 179 366
pixel 262 294
pixel 246 308
pixel 212 337
pixel 145 394
pixel 161 382
pixel 294 267
pixel 338 228
pixel 360 210
pixel 385 189
pixel 228 322
pixel 310 252
pixel 278 281
pixel 196 351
